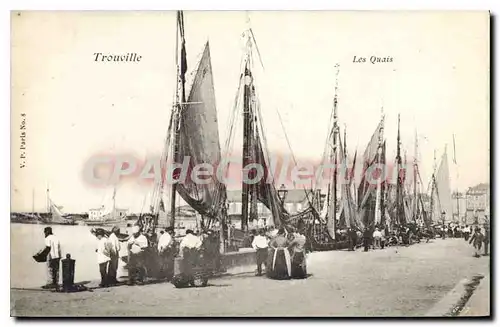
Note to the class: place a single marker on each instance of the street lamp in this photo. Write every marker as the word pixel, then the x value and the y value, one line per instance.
pixel 282 192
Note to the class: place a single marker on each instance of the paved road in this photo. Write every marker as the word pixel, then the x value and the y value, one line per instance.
pixel 404 281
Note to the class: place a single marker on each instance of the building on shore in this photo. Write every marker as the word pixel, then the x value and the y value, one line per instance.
pixel 478 204
pixel 459 204
pixel 104 213
pixel 295 201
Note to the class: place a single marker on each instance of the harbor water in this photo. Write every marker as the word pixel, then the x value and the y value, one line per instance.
pixel 28 239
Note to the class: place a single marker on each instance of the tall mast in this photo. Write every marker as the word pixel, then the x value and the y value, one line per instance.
pixel 433 186
pixel 456 192
pixel 180 99
pixel 345 142
pixel 335 147
pixel 247 134
pixel 415 179
pixel 399 201
pixel 378 211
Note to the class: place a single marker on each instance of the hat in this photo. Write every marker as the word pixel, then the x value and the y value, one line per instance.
pixel 115 229
pixel 136 229
pixel 99 232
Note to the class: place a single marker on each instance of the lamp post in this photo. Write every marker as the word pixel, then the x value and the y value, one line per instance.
pixel 282 192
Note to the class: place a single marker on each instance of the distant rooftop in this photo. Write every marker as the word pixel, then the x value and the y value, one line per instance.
pixel 482 187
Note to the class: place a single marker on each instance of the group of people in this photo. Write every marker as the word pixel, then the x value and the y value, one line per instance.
pixel 379 237
pixel 452 230
pixel 282 252
pixel 147 255
pixel 108 255
pixel 154 255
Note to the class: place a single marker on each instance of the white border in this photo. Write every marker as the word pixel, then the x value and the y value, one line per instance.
pixel 7 6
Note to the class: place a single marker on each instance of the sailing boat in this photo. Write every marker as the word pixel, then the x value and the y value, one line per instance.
pixel 254 146
pixel 442 205
pixel 56 216
pixel 322 232
pixel 419 213
pixel 370 197
pixel 192 133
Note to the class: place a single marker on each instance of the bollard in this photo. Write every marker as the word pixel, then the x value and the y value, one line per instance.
pixel 68 273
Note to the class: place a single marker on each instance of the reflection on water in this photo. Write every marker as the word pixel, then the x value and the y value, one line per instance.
pixel 27 239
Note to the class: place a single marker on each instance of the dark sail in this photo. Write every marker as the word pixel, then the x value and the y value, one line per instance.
pixel 366 190
pixel 199 141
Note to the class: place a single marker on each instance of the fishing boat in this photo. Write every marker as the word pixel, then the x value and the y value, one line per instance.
pixel 192 132
pixel 52 216
pixel 372 198
pixel 441 201
pixel 56 217
pixel 322 220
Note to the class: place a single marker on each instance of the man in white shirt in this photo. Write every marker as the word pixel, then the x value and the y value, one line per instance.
pixel 466 232
pixel 103 256
pixel 260 244
pixel 167 253
pixel 53 247
pixel 115 248
pixel 190 247
pixel 190 241
pixel 137 244
pixel 377 238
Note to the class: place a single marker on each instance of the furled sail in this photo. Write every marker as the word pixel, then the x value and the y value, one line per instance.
pixel 367 196
pixel 348 217
pixel 266 192
pixel 199 141
pixel 369 158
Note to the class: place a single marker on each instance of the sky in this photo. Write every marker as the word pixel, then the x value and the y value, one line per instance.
pixel 76 108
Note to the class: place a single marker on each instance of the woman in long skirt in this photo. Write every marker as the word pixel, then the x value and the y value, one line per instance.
pixel 279 257
pixel 297 248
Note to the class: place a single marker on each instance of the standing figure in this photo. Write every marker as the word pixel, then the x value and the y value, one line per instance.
pixel 279 263
pixel 260 244
pixel 137 244
pixel 115 248
pixel 190 248
pixel 477 241
pixel 367 239
pixel 210 251
pixel 486 239
pixel 166 252
pixel 377 239
pixel 298 252
pixel 466 232
pixel 53 250
pixel 382 240
pixel 103 256
pixel 353 239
